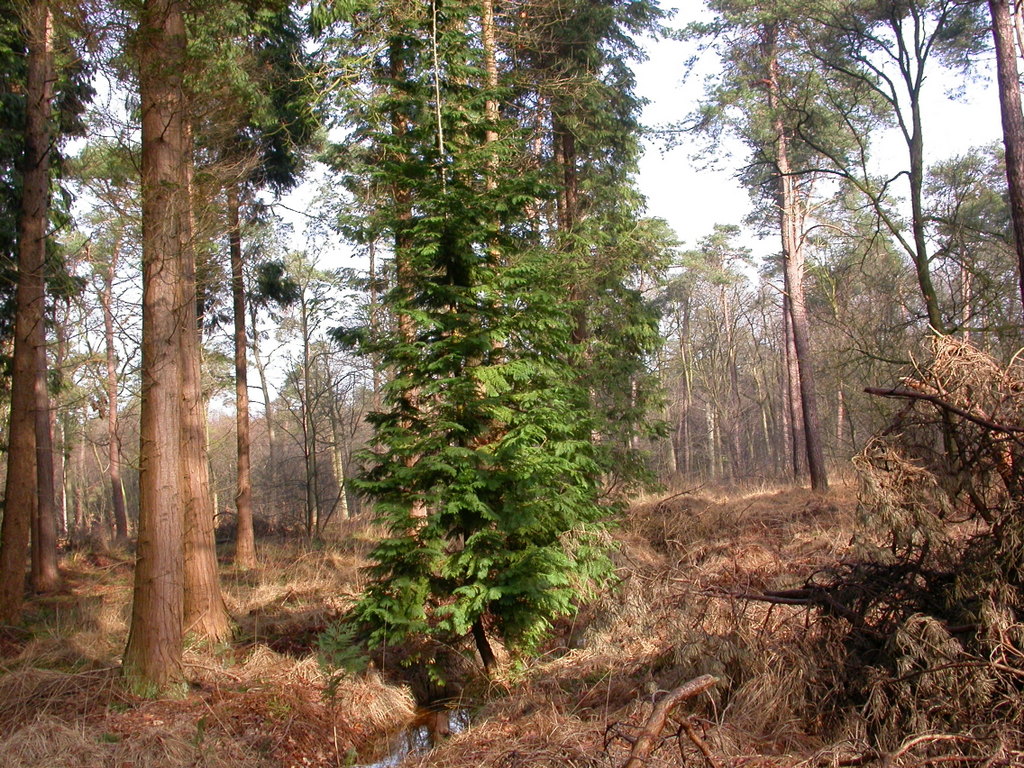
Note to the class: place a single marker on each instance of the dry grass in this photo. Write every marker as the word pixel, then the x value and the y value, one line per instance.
pixel 676 614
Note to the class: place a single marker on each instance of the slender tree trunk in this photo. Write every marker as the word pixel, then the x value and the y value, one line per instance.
pixel 793 257
pixel 309 436
pixel 793 414
pixel 113 437
pixel 840 418
pixel 60 495
pixel 922 262
pixel 245 538
pixel 1013 121
pixel 273 465
pixel 152 658
pixel 79 487
pixel 205 614
pixel 57 428
pixel 340 511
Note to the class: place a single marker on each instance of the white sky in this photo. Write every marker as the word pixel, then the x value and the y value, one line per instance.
pixel 693 198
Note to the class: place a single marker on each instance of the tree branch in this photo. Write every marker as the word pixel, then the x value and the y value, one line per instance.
pixel 656 722
pixel 937 401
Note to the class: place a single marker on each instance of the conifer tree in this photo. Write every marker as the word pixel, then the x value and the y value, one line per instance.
pixel 575 60
pixel 256 120
pixel 44 97
pixel 482 466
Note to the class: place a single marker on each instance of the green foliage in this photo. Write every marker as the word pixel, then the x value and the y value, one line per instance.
pixel 482 465
pixel 338 649
pixel 72 90
pixel 251 83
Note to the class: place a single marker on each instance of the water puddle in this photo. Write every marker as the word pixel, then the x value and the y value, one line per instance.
pixel 428 729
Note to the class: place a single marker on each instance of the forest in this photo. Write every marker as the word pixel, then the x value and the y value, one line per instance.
pixel 356 412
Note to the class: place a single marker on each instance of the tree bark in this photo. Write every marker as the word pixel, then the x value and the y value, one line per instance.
pixel 1013 121
pixel 793 415
pixel 245 538
pixel 273 464
pixel 152 658
pixel 45 576
pixel 309 436
pixel 205 614
pixel 28 387
pixel 340 511
pixel 57 427
pixel 113 437
pixel 793 258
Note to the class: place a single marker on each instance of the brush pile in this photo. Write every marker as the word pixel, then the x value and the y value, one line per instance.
pixel 931 598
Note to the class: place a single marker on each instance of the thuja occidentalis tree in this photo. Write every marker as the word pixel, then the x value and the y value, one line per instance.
pixel 481 467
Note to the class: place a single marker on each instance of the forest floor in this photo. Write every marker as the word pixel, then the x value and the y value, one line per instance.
pixel 688 565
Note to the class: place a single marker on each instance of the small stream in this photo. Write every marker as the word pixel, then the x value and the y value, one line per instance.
pixel 427 730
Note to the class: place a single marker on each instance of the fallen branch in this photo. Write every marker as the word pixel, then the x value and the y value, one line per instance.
pixel 937 401
pixel 698 742
pixel 656 722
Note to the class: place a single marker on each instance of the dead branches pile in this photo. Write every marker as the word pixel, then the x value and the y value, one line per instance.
pixel 934 599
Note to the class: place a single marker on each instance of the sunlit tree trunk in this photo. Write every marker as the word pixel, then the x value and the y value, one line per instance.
pixel 113 437
pixel 245 538
pixel 205 614
pixel 793 417
pixel 1013 121
pixel 152 658
pixel 273 464
pixel 793 262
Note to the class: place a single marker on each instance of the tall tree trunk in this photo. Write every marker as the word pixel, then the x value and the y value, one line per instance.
pixel 792 413
pixel 205 614
pixel 28 387
pixel 113 437
pixel 245 538
pixel 793 256
pixel 922 262
pixel 152 658
pixel 1013 121
pixel 309 432
pixel 60 495
pixel 57 428
pixel 45 576
pixel 79 488
pixel 273 465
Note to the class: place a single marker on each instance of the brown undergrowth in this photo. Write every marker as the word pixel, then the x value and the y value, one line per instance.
pixel 693 568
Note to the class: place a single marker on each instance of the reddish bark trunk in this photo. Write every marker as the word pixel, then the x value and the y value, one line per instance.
pixel 152 658
pixel 1013 121
pixel 245 538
